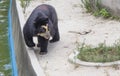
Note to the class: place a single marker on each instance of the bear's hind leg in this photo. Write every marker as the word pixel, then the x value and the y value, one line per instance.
pixel 56 37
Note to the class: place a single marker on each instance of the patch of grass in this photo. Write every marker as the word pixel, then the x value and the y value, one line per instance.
pixel 24 4
pixel 102 53
pixel 103 12
pixel 94 7
pixel 115 18
pixel 87 5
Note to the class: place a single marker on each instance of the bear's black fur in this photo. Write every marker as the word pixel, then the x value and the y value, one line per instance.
pixel 41 15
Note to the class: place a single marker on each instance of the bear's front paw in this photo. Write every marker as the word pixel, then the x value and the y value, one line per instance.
pixel 38 45
pixel 31 45
pixel 54 40
pixel 43 52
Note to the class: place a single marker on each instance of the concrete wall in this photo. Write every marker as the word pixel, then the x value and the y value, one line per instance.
pixel 26 60
pixel 113 5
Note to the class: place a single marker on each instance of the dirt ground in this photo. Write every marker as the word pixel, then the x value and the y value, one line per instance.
pixel 72 17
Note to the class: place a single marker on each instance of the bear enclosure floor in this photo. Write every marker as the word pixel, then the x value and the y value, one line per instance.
pixel 73 17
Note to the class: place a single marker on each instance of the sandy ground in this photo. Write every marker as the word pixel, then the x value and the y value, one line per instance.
pixel 72 17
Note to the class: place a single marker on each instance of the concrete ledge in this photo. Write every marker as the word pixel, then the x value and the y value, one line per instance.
pixel 31 53
pixel 73 59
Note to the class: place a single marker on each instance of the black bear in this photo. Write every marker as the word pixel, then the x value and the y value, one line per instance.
pixel 43 23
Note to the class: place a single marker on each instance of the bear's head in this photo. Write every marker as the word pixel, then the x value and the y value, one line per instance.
pixel 41 26
pixel 40 20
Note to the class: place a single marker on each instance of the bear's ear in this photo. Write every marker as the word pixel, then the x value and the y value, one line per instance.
pixel 44 21
pixel 36 21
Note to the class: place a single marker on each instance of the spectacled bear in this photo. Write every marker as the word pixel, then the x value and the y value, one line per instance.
pixel 43 23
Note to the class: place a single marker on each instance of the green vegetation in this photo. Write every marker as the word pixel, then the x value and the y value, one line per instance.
pixel 24 4
pixel 94 7
pixel 103 12
pixel 102 53
pixel 5 66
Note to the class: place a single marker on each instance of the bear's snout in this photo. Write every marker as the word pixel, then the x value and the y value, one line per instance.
pixel 41 30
